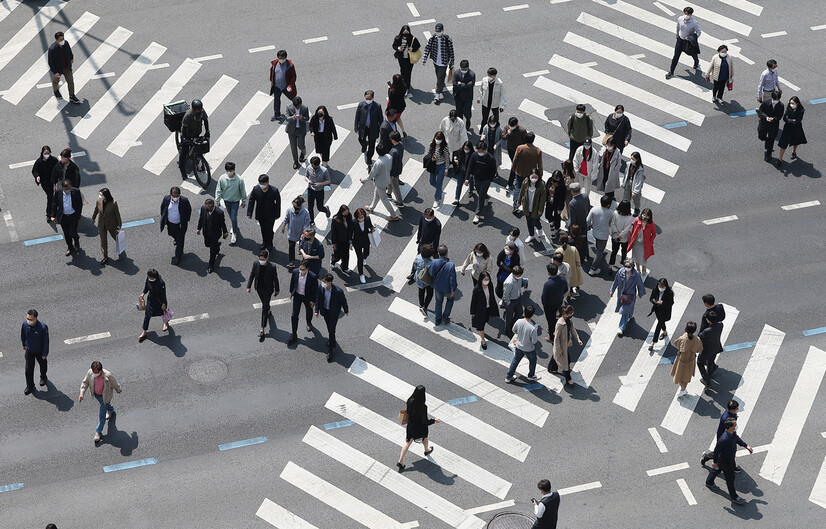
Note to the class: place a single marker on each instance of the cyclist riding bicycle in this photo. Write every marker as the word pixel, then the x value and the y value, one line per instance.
pixel 195 121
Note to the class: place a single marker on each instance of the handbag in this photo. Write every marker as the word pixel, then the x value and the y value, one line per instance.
pixel 141 303
pixel 120 243
pixel 402 417
pixel 375 238
pixel 414 56
pixel 424 274
pixel 450 75
pixel 607 138
pixel 429 163
pixel 625 299
pixel 167 315
pixel 512 343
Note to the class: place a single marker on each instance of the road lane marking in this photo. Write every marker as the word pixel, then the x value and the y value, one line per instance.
pixel 738 346
pixel 89 338
pixel 239 444
pixel 744 5
pixel 580 488
pixel 665 470
pixel 7 6
pixel 818 28
pixel 536 73
pixel 208 58
pixel 131 464
pixel 468 15
pixel 421 22
pixel 30 30
pixel 689 497
pixel 491 507
pixel 664 9
pixel 314 39
pixel 279 517
pixel 720 220
pixel 801 205
pixel 658 440
pixel 51 238
pixel 187 319
pixel 348 105
pixel 773 34
pixel 13 486
pixel 237 129
pixel 262 48
pixel 516 7
pixel 412 8
pixel 339 424
pixel 715 18
pixel 811 332
pixel 10 226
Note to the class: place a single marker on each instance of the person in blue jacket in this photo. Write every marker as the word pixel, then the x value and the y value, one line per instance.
pixel 35 337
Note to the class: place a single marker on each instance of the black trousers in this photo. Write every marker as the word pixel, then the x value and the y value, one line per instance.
pixel 178 235
pixel 719 86
pixel 267 225
pixel 678 50
pixel 265 296
pixel 368 144
pixel 69 225
pixel 512 313
pixel 572 150
pixel 342 253
pixel 362 253
pixel 768 144
pixel 49 197
pixel 512 175
pixel 425 297
pixel 30 359
pixel 331 320
pixel 727 468
pixel 658 329
pixel 615 247
pixel 482 187
pixel 706 365
pixel 486 112
pixel 316 198
pixel 299 300
pixel 214 249
pixel 464 106
pixel 551 315
pixel 405 69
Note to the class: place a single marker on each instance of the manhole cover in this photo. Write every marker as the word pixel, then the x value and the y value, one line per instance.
pixel 207 371
pixel 511 520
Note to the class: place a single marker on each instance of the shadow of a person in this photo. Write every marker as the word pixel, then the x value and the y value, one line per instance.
pixel 119 439
pixel 54 396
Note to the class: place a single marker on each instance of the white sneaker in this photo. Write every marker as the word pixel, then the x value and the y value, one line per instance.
pixel 682 393
pixel 345 270
pixel 435 97
pixel 435 204
pixel 539 234
pixel 509 379
pixel 534 378
pixel 362 279
pixel 476 219
pixel 97 437
pixel 233 239
pixel 530 238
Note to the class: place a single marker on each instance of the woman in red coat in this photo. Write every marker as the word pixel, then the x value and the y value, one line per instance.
pixel 642 236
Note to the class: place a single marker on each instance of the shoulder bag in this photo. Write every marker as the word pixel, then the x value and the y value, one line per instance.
pixel 402 417
pixel 425 277
pixel 625 299
pixel 414 56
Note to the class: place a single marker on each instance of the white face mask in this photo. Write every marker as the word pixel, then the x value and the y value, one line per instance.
pixel 534 180
pixel 580 114
pixel 60 42
pixel 438 33
pixel 629 268
pixel 101 197
pixel 176 199
pixel 662 289
pixel 429 219
pixel 687 18
pixel 723 55
pixel 793 105
pixel 479 254
pixel 262 262
pixel 368 101
pixel 609 147
pixel 264 186
pixel 511 238
pixel 95 375
pixel 302 272
pixel 31 323
pixel 230 174
pixel 486 282
pixel 46 155
pixel 619 114
pixel 507 251
pixel 438 142
pixel 467 151
pixel 464 70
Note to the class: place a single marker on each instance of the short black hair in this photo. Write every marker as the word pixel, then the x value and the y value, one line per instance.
pixel 464 64
pixel 328 278
pixel 264 253
pixel 518 270
pixel 315 160
pixel 529 311
pixel 605 201
pixel 544 485
pixel 96 366
pixel 552 269
pixel 729 423
pixel 51 526
pixel 305 263
pixel 32 312
pixel 708 299
pixel 618 108
pixel 174 190
pixel 390 112
pixel 209 202
pixel 580 107
pixel 492 71
pixel 58 35
pixel 395 136
pixel 152 273
pixel 771 63
pixel 368 92
pixel 712 315
pixel 442 250
pixel 512 121
pixel 688 10
pixel 263 179
pixel 733 405
pixel 282 54
pixel 481 146
pixel 529 138
pixel 297 101
pixel 381 149
pixel 229 166
pixel 722 47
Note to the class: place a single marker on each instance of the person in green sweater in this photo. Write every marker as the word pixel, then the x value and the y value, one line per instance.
pixel 580 126
pixel 231 189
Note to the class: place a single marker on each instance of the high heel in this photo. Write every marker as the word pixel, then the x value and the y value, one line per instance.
pixel 427 452
pixel 401 467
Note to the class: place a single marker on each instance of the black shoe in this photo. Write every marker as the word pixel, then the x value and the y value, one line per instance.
pixel 104 261
pixel 697 65
pixel 27 391
pixel 296 165
pixel 485 346
pixel 176 261
pixel 767 157
pixel 43 381
pixel 74 99
pixel 737 468
pixel 330 355
pixel 778 163
pixel 69 252
pixel 301 158
pixel 292 340
pixel 669 75
pixel 712 486
pixel 429 451
pixel 794 156
pixel 739 501
pixel 400 466
pixel 410 277
pixel 209 270
pixel 261 335
pixel 57 94
pixel 327 212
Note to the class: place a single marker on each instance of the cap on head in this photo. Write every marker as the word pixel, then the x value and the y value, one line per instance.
pixel 440 27
pixel 587 142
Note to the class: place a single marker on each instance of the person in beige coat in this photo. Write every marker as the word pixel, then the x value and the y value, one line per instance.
pixel 564 336
pixel 100 383
pixel 480 261
pixel 570 255
pixel 688 346
pixel 721 72
pixel 109 223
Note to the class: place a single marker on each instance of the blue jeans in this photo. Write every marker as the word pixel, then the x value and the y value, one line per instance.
pixel 436 180
pixel 624 321
pixel 517 357
pixel 103 409
pixel 460 181
pixel 276 104
pixel 232 209
pixel 440 314
pixel 517 187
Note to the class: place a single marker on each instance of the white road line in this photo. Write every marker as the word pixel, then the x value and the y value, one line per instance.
pixel 208 58
pixel 629 90
pixel 421 22
pixel 470 340
pixel 658 440
pixel 87 71
pixel 339 500
pixel 818 494
pixel 412 8
pixel 560 1
pixel 187 319
pixel 594 352
pixel 491 507
pixel 468 15
pixel 388 478
pixel 30 30
pixel 314 39
pixel 118 91
pixel 637 56
pixel 642 125
pixel 262 48
pixel 794 416
pixel 273 303
pixel 160 66
pixel 720 220
pixel 346 106
pixel 89 338
pixel 192 188
pixel 681 409
pixel 29 163
pixel 40 68
pixel 153 108
pixel 743 452
pixel 801 205
pixel 515 8
pixel 7 6
pixel 787 83
pixel 427 36
pixel 168 151
pixel 756 372
pixel 461 377
pixel 646 362
pixel 236 130
pixel 665 9
pixel 773 34
pixel 10 226
pixel 818 28
pixel 366 31
pixel 444 458
pixel 580 488
pixel 744 5
pixel 456 417
pixel 536 73
pixel 714 18
pixel 665 470
pixel 280 517
pixel 689 497
pixel 266 158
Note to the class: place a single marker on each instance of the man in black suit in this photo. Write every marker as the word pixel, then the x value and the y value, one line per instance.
pixel 366 125
pixel 711 305
pixel 269 208
pixel 712 346
pixel 546 509
pixel 553 295
pixel 264 277
pixel 66 209
pixel 176 212
pixel 60 59
pixel 387 126
pixel 464 82
pixel 330 301
pixel 214 225
pixel 303 290
pixel 771 113
pixel 396 168
pixel 578 214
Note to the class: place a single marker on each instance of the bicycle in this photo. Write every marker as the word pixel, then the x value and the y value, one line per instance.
pixel 195 162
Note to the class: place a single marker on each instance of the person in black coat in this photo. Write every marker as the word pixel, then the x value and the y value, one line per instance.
pixel 264 277
pixel 60 59
pixel 483 306
pixel 403 44
pixel 214 225
pixel 430 229
pixel 330 302
pixel 360 229
pixel 770 112
pixel 417 424
pixel 176 212
pixel 619 126
pixel 323 131
pixel 792 129
pixel 340 235
pixel 65 198
pixel 42 171
pixel 553 296
pixel 724 453
pixel 508 258
pixel 662 300
pixel 154 295
pixel 711 337
pixel 366 124
pixel 303 291
pixel 66 169
pixel 464 82
pixel 387 127
pixel 268 200
pixel 711 305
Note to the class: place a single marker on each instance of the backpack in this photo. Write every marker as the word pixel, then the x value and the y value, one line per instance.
pixel 425 277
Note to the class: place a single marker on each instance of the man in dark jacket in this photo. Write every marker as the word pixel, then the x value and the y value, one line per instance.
pixel 264 277
pixel 66 169
pixel 214 225
pixel 711 305
pixel 578 216
pixel 724 453
pixel 60 59
pixel 303 290
pixel 367 122
pixel 176 212
pixel 430 231
pixel 330 302
pixel 387 127
pixel 546 509
pixel 482 169
pixel 712 346
pixel 553 294
pixel 396 168
pixel 35 337
pixel 67 206
pixel 268 200
pixel 464 82
pixel 771 113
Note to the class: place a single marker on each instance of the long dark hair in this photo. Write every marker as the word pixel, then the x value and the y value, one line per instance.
pixel 795 99
pixel 322 107
pixel 415 404
pixel 480 247
pixel 43 149
pixel 401 32
pixel 341 217
pixel 443 146
pixel 397 85
pixel 107 196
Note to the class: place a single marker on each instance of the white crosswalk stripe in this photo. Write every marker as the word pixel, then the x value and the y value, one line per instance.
pixel 344 193
pixel 281 518
pixel 594 352
pixel 744 5
pixel 40 68
pixel 30 30
pixel 266 158
pixel 395 433
pixel 7 6
pixel 118 91
pixel 818 494
pixel 706 15
pixel 461 420
pixel 239 126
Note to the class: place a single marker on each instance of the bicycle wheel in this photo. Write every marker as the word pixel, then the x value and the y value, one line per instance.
pixel 203 173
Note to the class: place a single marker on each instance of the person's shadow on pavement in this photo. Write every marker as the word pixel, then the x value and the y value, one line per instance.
pixel 54 396
pixel 119 439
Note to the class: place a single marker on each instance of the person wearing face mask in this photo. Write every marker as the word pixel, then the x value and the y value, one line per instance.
pixel 513 236
pixel 463 82
pixel 479 260
pixel 360 229
pixel 513 135
pixel 579 208
pixel 682 371
pixel 629 284
pixel 176 212
pixel 282 81
pixel 533 197
pixel 194 122
pixel 396 100
pixel 303 289
pixel 564 336
pixel 721 72
pixel 317 179
pixel 481 169
pixel 312 250
pixel 564 271
pixel 439 48
pixel 599 220
pixel 297 219
pixel 435 162
pixel 66 209
pixel 109 224
pixel 323 131
pixel 620 228
pixel 367 122
pixel 586 165
pixel 66 169
pixel 231 189
pixel 553 296
pixel 609 167
pixel 455 134
pixel 380 175
pixel 423 259
pixel 461 159
pixel 633 181
pixel 100 383
pixel 769 82
pixel 330 303
pixel 580 128
pixel 403 44
pixel 617 129
pixel 42 171
pixel 60 59
pixel 492 136
pixel 154 296
pixel 430 229
pixel 527 162
pixel 662 300
pixel 298 115
pixel 268 200
pixel 688 31
pixel 527 334
pixel 505 261
pixel 214 225
pixel 264 277
pixel 491 96
pixel 570 255
pixel 340 236
pixel 792 130
pixel 443 272
pixel 396 167
pixel 483 306
pixel 643 233
pixel 556 194
pixel 35 338
pixel 388 126
pixel 770 113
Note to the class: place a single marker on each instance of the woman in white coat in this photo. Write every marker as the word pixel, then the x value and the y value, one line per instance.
pixel 455 132
pixel 608 170
pixel 633 181
pixel 491 96
pixel 586 165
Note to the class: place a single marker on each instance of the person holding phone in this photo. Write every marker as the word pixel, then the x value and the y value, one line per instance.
pixel 546 509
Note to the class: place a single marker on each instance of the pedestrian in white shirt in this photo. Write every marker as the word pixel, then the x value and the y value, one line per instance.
pixel 688 31
pixel 769 82
pixel 598 221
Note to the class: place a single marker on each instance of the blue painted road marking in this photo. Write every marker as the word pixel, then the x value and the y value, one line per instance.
pixel 743 113
pixel 339 424
pixel 131 464
pixel 819 330
pixel 676 125
pixel 13 486
pixel 817 101
pixel 42 240
pixel 667 359
pixel 738 346
pixel 533 387
pixel 134 223
pixel 245 442
pixel 463 400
